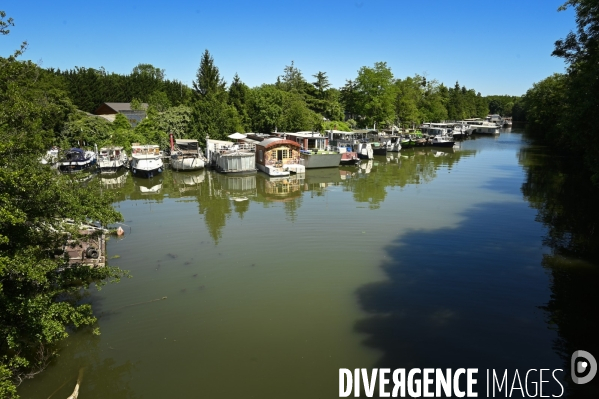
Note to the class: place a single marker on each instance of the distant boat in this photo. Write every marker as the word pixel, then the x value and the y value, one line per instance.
pixel 314 152
pixel 146 160
pixel 112 159
pixel 77 159
pixel 442 141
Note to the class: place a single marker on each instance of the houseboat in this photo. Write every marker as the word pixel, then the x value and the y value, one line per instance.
pixel 186 155
pixel 146 160
pixel 313 150
pixel 76 160
pixel 230 157
pixel 364 150
pixel 276 156
pixel 343 143
pixel 112 159
pixel 479 126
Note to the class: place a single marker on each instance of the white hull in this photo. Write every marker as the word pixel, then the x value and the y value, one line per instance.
pixel 146 167
pixel 108 166
pixel 273 171
pixel 187 163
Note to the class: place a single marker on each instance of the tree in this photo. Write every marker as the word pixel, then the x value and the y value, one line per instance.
pixel 208 81
pixel 376 94
pixel 322 83
pixel 149 70
pixel 239 97
pixel 39 297
pixel 292 80
pixel 580 50
pixel 408 94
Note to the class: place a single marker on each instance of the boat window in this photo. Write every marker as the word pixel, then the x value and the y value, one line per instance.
pixel 261 155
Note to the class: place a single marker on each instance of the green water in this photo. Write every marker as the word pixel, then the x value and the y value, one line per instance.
pixel 426 258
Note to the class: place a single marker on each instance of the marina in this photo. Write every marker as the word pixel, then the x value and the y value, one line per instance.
pixel 401 261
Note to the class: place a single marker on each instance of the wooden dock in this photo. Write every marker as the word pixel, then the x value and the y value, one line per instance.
pixel 88 251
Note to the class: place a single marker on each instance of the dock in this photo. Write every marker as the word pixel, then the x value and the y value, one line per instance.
pixel 88 251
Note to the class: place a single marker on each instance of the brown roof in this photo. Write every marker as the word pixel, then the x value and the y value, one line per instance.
pixel 275 143
pixel 119 107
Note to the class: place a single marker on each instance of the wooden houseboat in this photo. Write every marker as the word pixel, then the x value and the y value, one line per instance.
pixel 277 156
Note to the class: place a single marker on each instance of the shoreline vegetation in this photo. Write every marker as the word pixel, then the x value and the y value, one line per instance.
pixel 41 108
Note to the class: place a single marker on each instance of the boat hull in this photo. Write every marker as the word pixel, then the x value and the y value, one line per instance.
pixel 146 167
pixel 320 160
pixel 111 166
pixel 75 166
pixel 187 163
pixel 273 171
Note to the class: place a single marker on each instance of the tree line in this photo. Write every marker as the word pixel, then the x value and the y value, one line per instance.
pixel 213 108
pixel 563 109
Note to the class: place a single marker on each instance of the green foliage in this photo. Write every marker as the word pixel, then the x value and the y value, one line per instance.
pixel 376 94
pixel 82 130
pixel 39 298
pixel 136 104
pixel 338 125
pixel 209 84
pixel 239 98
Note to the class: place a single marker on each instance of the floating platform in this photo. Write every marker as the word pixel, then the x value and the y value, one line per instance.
pixel 87 251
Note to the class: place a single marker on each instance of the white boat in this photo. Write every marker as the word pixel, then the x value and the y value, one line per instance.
pixel 479 126
pixel 112 159
pixel 186 155
pixel 146 160
pixel 51 157
pixel 442 140
pixel 76 160
pixel 364 150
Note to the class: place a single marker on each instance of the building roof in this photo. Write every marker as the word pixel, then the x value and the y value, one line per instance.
pixel 120 107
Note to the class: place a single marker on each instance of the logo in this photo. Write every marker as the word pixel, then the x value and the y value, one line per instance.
pixel 583 367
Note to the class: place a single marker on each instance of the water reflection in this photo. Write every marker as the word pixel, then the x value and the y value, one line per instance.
pixel 567 207
pixel 95 363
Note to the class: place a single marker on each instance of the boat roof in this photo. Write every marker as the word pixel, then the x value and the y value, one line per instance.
pixel 145 146
pixel 185 141
pixel 311 135
pixel 274 141
pixel 79 150
pixel 111 148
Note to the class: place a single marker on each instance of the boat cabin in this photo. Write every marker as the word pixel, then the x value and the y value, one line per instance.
pixel 311 141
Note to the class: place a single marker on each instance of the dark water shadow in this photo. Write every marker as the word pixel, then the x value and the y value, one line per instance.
pixel 465 297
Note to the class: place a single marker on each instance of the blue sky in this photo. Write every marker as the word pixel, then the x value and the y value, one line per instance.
pixel 494 47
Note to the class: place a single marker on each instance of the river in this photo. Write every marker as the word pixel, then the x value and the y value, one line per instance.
pixel 264 288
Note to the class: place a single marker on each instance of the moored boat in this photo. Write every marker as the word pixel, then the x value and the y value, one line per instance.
pixel 77 159
pixel 112 159
pixel 276 156
pixel 146 160
pixel 186 155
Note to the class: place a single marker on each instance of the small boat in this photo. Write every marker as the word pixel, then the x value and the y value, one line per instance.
pixel 348 156
pixel 378 149
pixel 364 150
pixel 146 160
pixel 186 155
pixel 77 159
pixel 442 140
pixel 112 159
